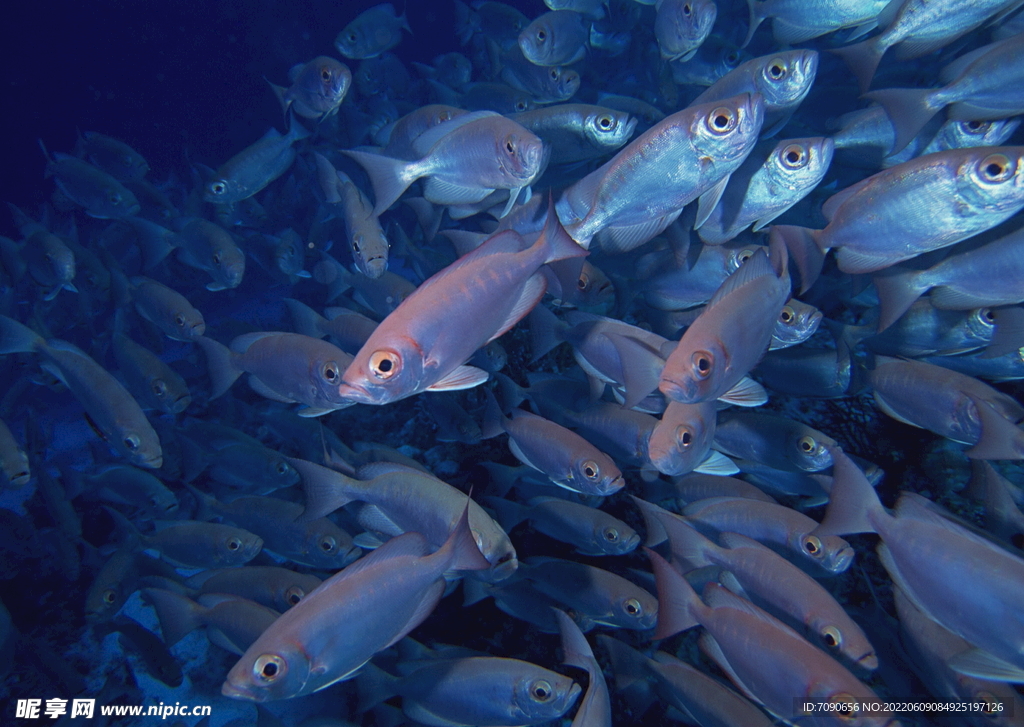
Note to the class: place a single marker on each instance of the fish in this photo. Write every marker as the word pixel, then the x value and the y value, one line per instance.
pixel 556 38
pixel 714 138
pixel 231 623
pixel 167 309
pixel 595 708
pixel 366 239
pixel 494 287
pixel 111 155
pixel 794 23
pixel 318 88
pixel 256 166
pixel 372 32
pixel 776 441
pixel 731 335
pixel 681 441
pixel 287 367
pixel 272 586
pixel 99 193
pixel 116 415
pixel 986 180
pixel 13 459
pixel 681 26
pixel 371 605
pixel 578 132
pixel 592 531
pixel 154 384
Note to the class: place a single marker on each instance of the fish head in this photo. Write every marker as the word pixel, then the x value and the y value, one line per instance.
pixel 682 25
pixel 189 324
pixel 353 42
pixel 810 450
pixel 272 668
pixel 798 164
pixel 370 250
pixel 227 264
pixel 384 371
pixel 219 191
pixel 562 82
pixel 637 610
pixel 537 41
pixel 725 131
pixel 695 369
pixel 595 475
pixel 115 201
pixel 614 539
pixel 328 81
pixel 785 78
pixel 609 128
pixel 238 546
pixel 168 397
pixel 539 698
pixel 521 156
pixel 681 439
pixel 328 547
pixel 141 446
pixel 829 552
pixel 796 323
pixel 983 133
pixel 277 470
pixel 992 179
pixel 846 640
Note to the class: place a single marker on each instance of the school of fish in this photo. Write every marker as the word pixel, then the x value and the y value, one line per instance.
pixel 633 363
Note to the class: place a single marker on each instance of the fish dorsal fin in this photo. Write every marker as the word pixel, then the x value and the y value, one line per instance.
pixel 426 141
pixel 533 290
pixel 462 377
pixel 833 203
pixel 373 470
pixel 756 266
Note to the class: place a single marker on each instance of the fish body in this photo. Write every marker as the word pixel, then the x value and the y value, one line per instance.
pixel 256 166
pixel 372 32
pixel 207 246
pixel 112 156
pixel 98 192
pixel 577 132
pixel 167 309
pixel 317 89
pixel 352 615
pixel 415 349
pixel 647 181
pixel 797 21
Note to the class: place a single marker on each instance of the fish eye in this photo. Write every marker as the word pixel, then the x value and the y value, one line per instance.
pixel 159 387
pixel 283 468
pixel 114 198
pixel 788 315
pixel 591 470
pixel 722 120
pixel 611 534
pixel 974 126
pixel 807 444
pixel 268 668
pixel 606 123
pixel 351 37
pixel 777 69
pixel 216 258
pixel 687 10
pixel 996 168
pixel 520 105
pixel 218 188
pixel 987 314
pixel 634 608
pixel 325 74
pixel 794 156
pixel 684 436
pixel 109 596
pixel 702 364
pixel 832 637
pixel 234 544
pixel 583 284
pixel 328 544
pixel 541 691
pixel 542 36
pixel 179 319
pixel 732 59
pixel 294 594
pixel 844 707
pixel 811 545
pixel 509 146
pixel 384 364
pixel 554 74
pixel 993 704
pixel 743 255
pixel 330 372
pixel 355 242
pixel 131 442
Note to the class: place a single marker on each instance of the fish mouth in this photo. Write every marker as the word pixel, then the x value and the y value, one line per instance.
pixel 239 692
pixel 841 561
pixel 611 487
pixel 153 463
pixel 685 392
pixel 355 393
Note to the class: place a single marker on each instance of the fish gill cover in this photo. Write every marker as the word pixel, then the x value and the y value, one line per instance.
pixel 726 280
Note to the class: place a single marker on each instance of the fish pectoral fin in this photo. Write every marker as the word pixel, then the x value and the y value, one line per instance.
pixel 709 200
pixel 982 664
pixel 463 377
pixel 717 463
pixel 265 391
pixel 534 289
pixel 311 412
pixel 746 392
pixel 714 652
pixel 628 237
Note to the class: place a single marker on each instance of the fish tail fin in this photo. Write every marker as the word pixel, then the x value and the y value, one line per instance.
pixel 852 501
pixel 908 109
pixel 296 131
pixel 178 615
pixel 493 417
pixel 403 19
pixel 306 320
pixel 49 159
pixel 577 651
pixel 125 529
pixel 560 246
pixel 502 477
pixel 461 549
pixel 279 93
pixel 389 177
pixel 678 603
pixel 628 665
pixel 656 533
pixel 757 17
pixel 18 338
pixel 375 686
pixel 473 591
pixel 897 290
pixel 153 245
pixel 546 331
pixel 508 513
pixel 221 364
pixel 203 510
pixel 862 59
pixel 802 244
pixel 324 489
